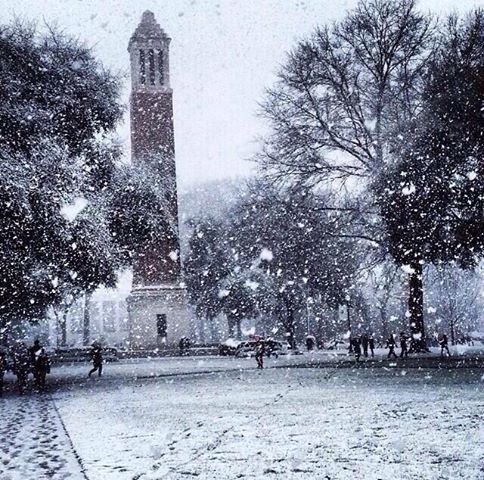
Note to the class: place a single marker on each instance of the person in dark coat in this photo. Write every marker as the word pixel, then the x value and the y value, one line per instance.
pixel 371 344
pixel 364 344
pixel 21 365
pixel 3 368
pixel 391 344
pixel 310 342
pixel 444 345
pixel 33 350
pixel 260 350
pixel 357 348
pixel 41 368
pixel 403 345
pixel 97 359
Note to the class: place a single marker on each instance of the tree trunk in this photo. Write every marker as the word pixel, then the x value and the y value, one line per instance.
pixel 231 325
pixel 291 338
pixel 211 326
pixel 384 322
pixel 238 322
pixel 452 330
pixel 202 329
pixel 415 308
pixel 63 327
pixel 86 324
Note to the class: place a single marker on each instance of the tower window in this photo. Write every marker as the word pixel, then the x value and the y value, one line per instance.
pixel 151 58
pixel 142 72
pixel 160 67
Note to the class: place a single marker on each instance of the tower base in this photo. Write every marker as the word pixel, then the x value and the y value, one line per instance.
pixel 159 316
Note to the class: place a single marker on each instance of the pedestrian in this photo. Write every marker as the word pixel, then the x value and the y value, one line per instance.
pixel 391 344
pixel 371 344
pixel 21 366
pixel 3 368
pixel 260 349
pixel 310 342
pixel 364 344
pixel 41 368
pixel 357 348
pixel 403 345
pixel 444 345
pixel 33 350
pixel 97 359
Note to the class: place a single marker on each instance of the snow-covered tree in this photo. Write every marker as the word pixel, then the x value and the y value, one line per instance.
pixel 432 196
pixel 205 267
pixel 58 108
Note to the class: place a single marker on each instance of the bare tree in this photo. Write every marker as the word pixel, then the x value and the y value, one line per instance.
pixel 341 104
pixel 454 297
pixel 345 93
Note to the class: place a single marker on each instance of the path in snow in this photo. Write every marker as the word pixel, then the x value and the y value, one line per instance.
pixel 33 442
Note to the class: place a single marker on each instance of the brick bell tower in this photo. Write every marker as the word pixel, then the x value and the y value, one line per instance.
pixel 158 307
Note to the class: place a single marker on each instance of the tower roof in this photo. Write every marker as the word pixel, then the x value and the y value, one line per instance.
pixel 148 29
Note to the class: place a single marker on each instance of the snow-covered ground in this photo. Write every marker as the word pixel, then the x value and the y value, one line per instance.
pixel 33 441
pixel 170 419
pixel 284 423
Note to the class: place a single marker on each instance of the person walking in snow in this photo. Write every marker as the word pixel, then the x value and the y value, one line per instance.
pixel 310 342
pixel 371 344
pixel 391 344
pixel 403 345
pixel 41 368
pixel 260 349
pixel 3 368
pixel 21 365
pixel 364 344
pixel 34 349
pixel 356 348
pixel 97 359
pixel 444 345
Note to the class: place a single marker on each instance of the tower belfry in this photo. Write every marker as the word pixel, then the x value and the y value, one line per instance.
pixel 157 305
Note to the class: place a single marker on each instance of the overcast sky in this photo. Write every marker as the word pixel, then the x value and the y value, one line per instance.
pixel 223 54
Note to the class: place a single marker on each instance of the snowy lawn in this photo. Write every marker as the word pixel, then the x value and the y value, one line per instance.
pixel 382 423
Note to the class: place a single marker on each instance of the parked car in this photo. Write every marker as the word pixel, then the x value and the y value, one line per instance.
pixel 337 345
pixel 228 347
pixel 273 348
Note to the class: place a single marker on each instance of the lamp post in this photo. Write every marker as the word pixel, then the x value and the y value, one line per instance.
pixel 347 298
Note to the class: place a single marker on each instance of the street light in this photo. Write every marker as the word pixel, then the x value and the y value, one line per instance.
pixel 347 298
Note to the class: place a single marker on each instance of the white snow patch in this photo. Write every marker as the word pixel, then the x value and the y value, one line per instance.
pixel 408 269
pixel 223 293
pixel 70 211
pixel 251 284
pixel 266 254
pixel 409 189
pixel 249 331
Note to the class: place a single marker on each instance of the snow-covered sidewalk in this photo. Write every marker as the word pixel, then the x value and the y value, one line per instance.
pixel 34 443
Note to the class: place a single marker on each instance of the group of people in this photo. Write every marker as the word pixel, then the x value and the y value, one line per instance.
pixel 26 360
pixel 392 344
pixel 404 344
pixel 364 342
